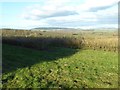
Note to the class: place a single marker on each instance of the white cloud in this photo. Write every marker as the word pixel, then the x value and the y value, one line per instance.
pixel 64 13
pixel 98 3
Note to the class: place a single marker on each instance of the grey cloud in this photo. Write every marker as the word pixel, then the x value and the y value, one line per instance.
pixel 63 13
pixel 56 14
pixel 101 8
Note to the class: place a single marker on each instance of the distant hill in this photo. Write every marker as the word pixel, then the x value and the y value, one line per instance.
pixel 50 28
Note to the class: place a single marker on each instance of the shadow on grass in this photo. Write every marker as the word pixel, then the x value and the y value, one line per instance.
pixel 15 57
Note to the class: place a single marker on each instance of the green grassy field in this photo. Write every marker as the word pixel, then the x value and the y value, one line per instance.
pixel 58 67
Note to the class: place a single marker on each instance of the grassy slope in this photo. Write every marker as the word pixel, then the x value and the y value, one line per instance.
pixel 59 67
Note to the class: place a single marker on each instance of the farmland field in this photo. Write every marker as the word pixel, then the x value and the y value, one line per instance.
pixel 59 44
pixel 59 68
pixel 43 59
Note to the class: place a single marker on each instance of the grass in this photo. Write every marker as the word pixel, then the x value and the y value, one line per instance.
pixel 59 67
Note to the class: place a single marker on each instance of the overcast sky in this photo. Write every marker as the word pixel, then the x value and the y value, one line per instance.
pixel 59 13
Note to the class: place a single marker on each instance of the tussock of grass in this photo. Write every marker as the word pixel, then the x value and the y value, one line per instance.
pixel 107 41
pixel 44 42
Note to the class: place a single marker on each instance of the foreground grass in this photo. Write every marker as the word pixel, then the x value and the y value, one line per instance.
pixel 59 67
